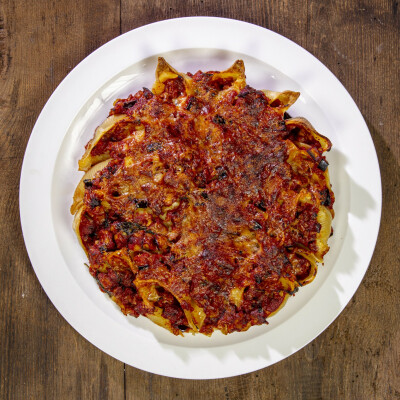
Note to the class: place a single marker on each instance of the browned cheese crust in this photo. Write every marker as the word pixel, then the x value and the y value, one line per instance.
pixel 204 204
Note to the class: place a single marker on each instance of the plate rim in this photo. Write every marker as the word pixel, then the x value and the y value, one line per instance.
pixel 32 159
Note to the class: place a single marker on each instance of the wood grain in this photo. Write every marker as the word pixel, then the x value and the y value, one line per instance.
pixel 357 357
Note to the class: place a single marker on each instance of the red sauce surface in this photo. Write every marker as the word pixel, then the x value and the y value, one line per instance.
pixel 206 202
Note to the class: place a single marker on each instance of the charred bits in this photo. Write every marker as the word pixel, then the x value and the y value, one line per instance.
pixel 147 93
pixel 317 157
pixel 323 165
pixel 218 120
pixel 183 328
pixel 261 205
pixel 141 203
pixel 256 226
pixel 222 173
pixel 245 92
pixel 94 202
pixel 131 227
pixel 129 104
pixel 191 102
pixel 153 147
pixel 88 183
pixel 326 197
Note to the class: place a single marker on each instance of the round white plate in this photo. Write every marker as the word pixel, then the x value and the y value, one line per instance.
pixel 82 101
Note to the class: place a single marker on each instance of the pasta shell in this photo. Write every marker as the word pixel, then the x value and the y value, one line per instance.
pixel 87 159
pixel 144 288
pixel 76 224
pixel 313 261
pixel 164 71
pixel 236 72
pixel 156 317
pixel 324 218
pixel 309 132
pixel 283 100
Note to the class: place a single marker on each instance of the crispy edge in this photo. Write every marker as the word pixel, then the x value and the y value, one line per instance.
pixel 304 124
pixel 87 160
pixel 164 71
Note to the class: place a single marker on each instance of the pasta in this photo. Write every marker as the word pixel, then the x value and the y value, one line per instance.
pixel 204 205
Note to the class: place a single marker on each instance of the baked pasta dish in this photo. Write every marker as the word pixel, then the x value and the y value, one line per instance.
pixel 204 205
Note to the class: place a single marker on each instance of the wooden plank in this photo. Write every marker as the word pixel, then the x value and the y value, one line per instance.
pixel 42 356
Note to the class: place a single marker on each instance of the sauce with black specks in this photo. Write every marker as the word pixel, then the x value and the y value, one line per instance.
pixel 205 202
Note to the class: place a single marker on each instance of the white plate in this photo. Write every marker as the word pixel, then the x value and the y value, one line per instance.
pixel 80 103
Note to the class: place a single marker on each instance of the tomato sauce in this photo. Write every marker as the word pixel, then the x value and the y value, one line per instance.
pixel 205 202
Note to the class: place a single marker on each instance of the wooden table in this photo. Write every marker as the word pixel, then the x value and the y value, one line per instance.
pixel 43 357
